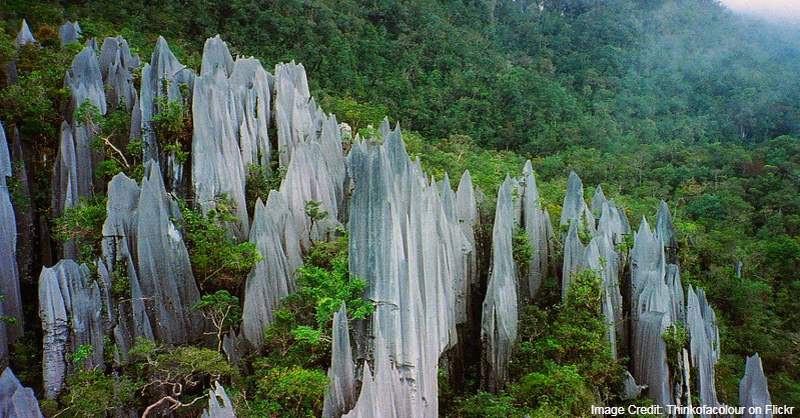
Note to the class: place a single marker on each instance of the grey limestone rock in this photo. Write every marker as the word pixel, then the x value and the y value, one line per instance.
pixel 273 278
pixel 11 303
pixel 69 32
pixel 219 404
pixel 293 109
pixel 650 366
pixel 24 36
pixel 85 82
pixel 753 388
pixel 666 232
pixel 230 111
pixel 499 321
pixel 574 257
pixel 17 401
pixel 701 322
pixel 574 207
pixel 408 249
pixel 648 264
pixel 341 395
pixel 466 212
pixel 164 76
pixel 71 310
pixel 141 240
pixel 116 66
pixel 536 222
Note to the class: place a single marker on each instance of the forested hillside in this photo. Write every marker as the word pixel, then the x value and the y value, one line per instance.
pixel 674 100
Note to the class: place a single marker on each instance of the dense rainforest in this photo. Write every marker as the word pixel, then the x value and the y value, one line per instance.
pixel 674 100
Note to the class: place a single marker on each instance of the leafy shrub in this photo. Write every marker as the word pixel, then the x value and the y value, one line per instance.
pixel 217 260
pixel 83 224
pixel 222 309
pixel 291 391
pixel 92 393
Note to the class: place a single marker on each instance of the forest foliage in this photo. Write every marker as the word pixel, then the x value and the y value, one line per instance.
pixel 677 100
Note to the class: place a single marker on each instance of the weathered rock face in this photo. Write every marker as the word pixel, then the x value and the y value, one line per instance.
pixel 74 168
pixel 650 365
pixel 401 243
pixel 536 222
pixel 69 32
pixel 466 212
pixel 116 67
pixel 272 279
pixel 308 179
pixel 753 390
pixel 703 342
pixel 499 321
pixel 164 77
pixel 219 404
pixel 17 401
pixel 71 310
pixel 11 303
pixel 666 232
pixel 24 36
pixel 230 111
pixel 647 265
pixel 294 109
pixel 142 244
pixel 574 207
pixel 341 395
pixel 574 258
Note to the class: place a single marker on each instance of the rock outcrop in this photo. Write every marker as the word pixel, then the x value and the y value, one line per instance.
pixel 143 246
pixel 219 404
pixel 753 390
pixel 341 395
pixel 71 310
pixel 574 207
pixel 24 36
pixel 499 321
pixel 293 109
pixel 11 302
pixel 273 278
pixel 230 111
pixel 536 221
pixel 69 32
pixel 401 243
pixel 17 401
pixel 116 67
pixel 704 343
pixel 468 218
pixel 164 79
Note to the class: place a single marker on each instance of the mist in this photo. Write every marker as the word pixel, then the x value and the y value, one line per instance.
pixel 784 11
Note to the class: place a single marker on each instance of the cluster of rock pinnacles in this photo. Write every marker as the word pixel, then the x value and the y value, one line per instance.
pixel 412 239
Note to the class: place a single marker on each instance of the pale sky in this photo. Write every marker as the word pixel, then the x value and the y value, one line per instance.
pixel 777 9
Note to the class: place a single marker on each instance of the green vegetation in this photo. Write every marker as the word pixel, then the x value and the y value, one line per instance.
pixel 522 251
pixel 83 225
pixel 217 259
pixel 665 99
pixel 223 310
pixel 562 363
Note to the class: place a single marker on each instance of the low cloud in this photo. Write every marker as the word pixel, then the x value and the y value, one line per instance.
pixel 783 10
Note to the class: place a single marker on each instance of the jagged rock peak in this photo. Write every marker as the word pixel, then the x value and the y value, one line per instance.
pixel 24 37
pixel 140 239
pixel 17 401
pixel 499 321
pixel 69 32
pixel 71 310
pixel 664 229
pixel 536 221
pixel 598 200
pixel 650 366
pixel 216 54
pixel 341 395
pixel 701 322
pixel 219 404
pixel 163 75
pixel 295 112
pixel 574 206
pixel 753 388
pixel 272 279
pixel 116 67
pixel 574 258
pixel 85 82
pixel 11 304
